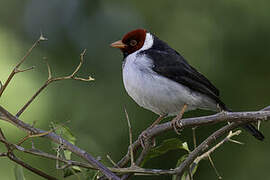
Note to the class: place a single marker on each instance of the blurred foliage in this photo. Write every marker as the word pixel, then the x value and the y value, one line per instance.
pixel 64 132
pixel 228 41
pixel 18 171
pixel 166 146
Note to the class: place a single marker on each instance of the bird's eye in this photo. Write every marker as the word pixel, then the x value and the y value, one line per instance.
pixel 133 42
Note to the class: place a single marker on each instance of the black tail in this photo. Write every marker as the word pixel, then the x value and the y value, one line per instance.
pixel 248 127
pixel 253 131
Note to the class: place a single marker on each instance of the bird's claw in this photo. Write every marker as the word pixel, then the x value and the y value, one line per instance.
pixel 144 139
pixel 176 126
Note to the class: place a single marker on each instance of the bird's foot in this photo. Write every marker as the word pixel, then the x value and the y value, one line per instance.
pixel 223 112
pixel 176 126
pixel 144 137
pixel 145 141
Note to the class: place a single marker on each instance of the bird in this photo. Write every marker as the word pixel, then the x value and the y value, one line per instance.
pixel 159 79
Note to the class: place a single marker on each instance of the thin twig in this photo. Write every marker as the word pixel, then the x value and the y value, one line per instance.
pixel 145 150
pixel 26 69
pixel 69 163
pixel 130 139
pixel 52 79
pixel 194 137
pixel 258 125
pixel 57 139
pixel 204 146
pixel 200 121
pixel 227 138
pixel 12 157
pixel 4 154
pixel 213 165
pixel 16 68
pixel 190 174
pixel 237 117
pixel 110 159
pixel 33 136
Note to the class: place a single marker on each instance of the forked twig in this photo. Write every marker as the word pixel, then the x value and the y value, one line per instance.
pixel 110 159
pixel 33 136
pixel 16 68
pixel 53 79
pixel 213 165
pixel 227 138
pixel 57 139
pixel 12 157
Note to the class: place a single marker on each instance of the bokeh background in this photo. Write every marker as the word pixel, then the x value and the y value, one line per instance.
pixel 228 41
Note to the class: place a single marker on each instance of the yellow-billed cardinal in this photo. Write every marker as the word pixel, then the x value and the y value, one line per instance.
pixel 159 79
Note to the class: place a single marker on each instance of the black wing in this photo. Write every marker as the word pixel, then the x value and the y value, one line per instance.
pixel 169 63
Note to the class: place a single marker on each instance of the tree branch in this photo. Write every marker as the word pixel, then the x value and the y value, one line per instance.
pixel 54 79
pixel 226 139
pixel 237 118
pixel 12 157
pixel 16 68
pixel 245 117
pixel 204 146
pixel 134 169
pixel 54 137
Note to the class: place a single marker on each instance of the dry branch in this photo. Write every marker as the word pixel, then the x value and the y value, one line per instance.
pixel 12 157
pixel 237 118
pixel 204 146
pixel 244 117
pixel 16 68
pixel 31 131
pixel 200 152
pixel 54 79
pixel 57 139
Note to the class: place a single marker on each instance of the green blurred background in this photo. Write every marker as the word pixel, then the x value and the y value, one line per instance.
pixel 228 41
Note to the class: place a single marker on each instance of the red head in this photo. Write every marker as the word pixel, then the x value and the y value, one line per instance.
pixel 131 42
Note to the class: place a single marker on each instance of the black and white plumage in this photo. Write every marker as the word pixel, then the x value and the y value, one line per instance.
pixel 159 79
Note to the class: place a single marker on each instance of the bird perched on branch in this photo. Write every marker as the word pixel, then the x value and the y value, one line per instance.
pixel 159 79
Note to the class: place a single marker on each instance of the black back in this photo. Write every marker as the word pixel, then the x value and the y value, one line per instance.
pixel 169 63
